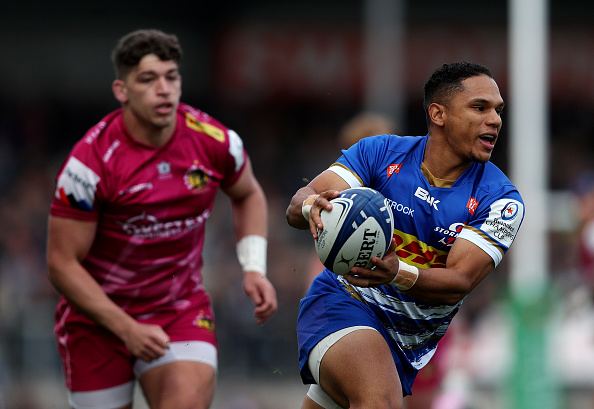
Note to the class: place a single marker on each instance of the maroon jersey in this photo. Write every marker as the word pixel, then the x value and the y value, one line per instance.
pixel 150 204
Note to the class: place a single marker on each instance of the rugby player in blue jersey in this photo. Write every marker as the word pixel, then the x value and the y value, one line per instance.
pixel 364 336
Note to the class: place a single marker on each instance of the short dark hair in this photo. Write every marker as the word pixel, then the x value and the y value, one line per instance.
pixel 132 47
pixel 447 79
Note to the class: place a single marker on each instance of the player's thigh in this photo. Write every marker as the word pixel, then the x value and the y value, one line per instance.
pixel 309 403
pixel 179 384
pixel 359 370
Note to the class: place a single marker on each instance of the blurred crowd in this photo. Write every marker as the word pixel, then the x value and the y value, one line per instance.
pixel 288 145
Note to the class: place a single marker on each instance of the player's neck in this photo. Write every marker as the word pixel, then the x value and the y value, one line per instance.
pixel 442 163
pixel 147 132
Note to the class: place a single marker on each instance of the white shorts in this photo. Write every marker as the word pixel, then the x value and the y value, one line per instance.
pixel 315 392
pixel 122 395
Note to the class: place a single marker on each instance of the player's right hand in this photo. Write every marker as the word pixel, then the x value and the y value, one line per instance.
pixel 321 202
pixel 146 341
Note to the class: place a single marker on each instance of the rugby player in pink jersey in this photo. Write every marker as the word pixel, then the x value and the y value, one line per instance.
pixel 126 233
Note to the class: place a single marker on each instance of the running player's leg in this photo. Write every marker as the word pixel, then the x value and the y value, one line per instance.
pixel 112 398
pixel 185 377
pixel 97 366
pixel 308 403
pixel 358 371
pixel 181 384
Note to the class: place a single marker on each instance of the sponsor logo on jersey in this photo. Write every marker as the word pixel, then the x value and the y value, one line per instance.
pixel 449 234
pixel 415 252
pixel 146 226
pixel 204 321
pixel 426 197
pixel 196 178
pixel 95 132
pixel 472 205
pixel 394 168
pixel 398 207
pixel 136 188
pixel 77 184
pixel 193 123
pixel 111 150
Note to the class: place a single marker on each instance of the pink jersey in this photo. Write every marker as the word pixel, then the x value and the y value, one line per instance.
pixel 150 205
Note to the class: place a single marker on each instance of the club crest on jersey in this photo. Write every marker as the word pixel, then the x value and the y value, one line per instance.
pixel 394 168
pixel 472 205
pixel 196 178
pixel 509 211
pixel 202 320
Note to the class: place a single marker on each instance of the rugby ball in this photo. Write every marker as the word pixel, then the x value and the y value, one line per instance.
pixel 359 227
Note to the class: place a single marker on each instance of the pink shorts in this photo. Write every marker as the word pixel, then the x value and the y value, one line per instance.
pixel 94 358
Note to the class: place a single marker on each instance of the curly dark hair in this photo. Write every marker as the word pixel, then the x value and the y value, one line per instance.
pixel 447 80
pixel 132 47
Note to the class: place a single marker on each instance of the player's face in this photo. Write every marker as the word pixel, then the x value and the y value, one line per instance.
pixel 474 119
pixel 152 92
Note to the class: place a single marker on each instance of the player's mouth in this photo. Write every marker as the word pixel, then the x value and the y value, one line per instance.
pixel 164 108
pixel 488 140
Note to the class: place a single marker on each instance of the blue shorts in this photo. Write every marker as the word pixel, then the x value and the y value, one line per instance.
pixel 329 307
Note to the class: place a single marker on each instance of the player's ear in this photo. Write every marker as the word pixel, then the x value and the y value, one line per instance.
pixel 437 114
pixel 120 91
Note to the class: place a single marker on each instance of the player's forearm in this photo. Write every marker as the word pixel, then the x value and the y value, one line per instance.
pixel 442 286
pixel 250 214
pixel 81 289
pixel 294 212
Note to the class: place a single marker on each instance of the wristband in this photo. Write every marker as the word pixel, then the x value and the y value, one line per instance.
pixel 406 277
pixel 306 206
pixel 251 253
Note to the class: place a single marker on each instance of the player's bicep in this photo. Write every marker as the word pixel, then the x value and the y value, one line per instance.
pixel 69 239
pixel 471 261
pixel 328 180
pixel 245 185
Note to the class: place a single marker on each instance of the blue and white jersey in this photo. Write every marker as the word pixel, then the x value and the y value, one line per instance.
pixel 482 206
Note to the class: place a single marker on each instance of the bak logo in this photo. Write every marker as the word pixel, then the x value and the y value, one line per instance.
pixel 425 196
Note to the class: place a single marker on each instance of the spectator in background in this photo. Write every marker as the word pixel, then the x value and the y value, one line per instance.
pixel 126 232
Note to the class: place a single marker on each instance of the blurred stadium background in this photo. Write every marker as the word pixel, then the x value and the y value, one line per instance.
pixel 286 76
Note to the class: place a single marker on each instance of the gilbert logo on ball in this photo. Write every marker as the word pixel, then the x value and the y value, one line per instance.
pixel 359 226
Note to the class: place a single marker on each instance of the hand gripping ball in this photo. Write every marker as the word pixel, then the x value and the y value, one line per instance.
pixel 359 227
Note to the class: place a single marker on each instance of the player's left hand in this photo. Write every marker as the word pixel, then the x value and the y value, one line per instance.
pixel 383 272
pixel 262 293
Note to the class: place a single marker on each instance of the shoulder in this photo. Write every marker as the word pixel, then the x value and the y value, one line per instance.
pixel 202 124
pixel 393 142
pixel 389 147
pixel 216 137
pixel 100 140
pixel 493 181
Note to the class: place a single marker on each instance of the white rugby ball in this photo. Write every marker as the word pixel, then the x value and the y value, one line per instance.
pixel 359 226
